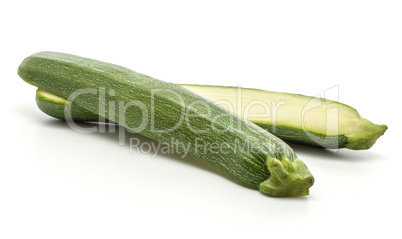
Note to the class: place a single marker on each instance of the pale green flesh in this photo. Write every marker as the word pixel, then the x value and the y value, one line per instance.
pixel 292 117
pixel 314 120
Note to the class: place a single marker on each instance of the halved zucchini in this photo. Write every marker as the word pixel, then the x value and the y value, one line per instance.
pixel 291 117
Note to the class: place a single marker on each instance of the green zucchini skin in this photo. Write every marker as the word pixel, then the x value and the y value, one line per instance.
pixel 268 163
pixel 297 135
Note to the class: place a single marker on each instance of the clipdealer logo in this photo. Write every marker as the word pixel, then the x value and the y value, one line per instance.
pixel 145 118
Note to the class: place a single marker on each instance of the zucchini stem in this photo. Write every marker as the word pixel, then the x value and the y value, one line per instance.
pixel 288 178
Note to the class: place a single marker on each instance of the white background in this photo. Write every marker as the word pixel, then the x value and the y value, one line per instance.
pixel 57 183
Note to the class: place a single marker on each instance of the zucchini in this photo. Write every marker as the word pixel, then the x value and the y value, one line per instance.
pixel 175 116
pixel 291 117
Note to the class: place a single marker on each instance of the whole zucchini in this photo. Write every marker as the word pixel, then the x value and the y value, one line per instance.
pixel 175 116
